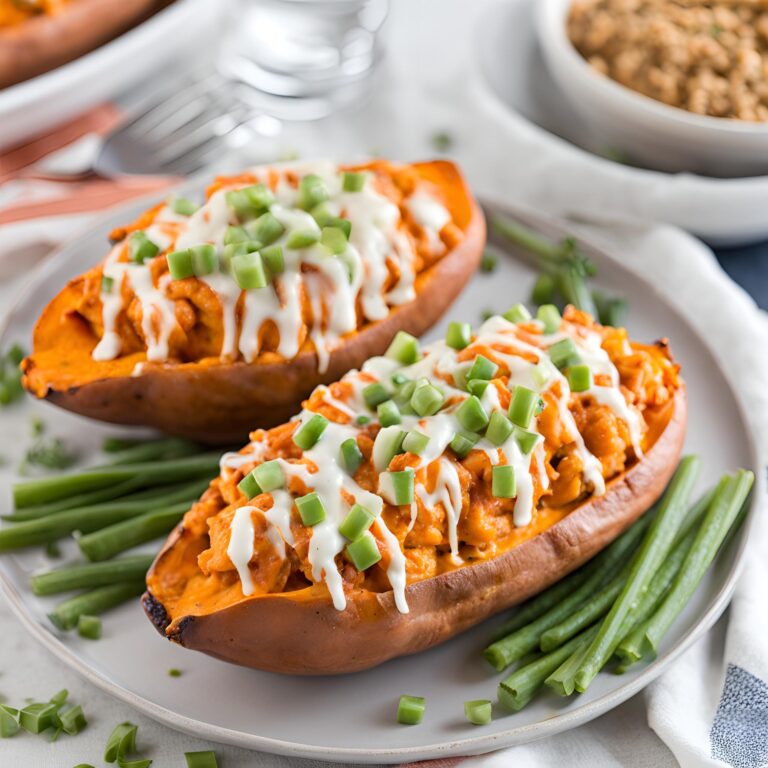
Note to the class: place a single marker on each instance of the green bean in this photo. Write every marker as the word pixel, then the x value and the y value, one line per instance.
pixel 163 450
pixel 110 541
pixel 94 602
pixel 526 238
pixel 574 290
pixel 91 575
pixel 653 550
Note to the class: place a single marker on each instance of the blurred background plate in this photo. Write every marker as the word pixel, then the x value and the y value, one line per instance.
pixel 34 106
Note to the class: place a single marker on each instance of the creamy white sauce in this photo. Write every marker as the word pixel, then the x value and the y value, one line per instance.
pixel 240 547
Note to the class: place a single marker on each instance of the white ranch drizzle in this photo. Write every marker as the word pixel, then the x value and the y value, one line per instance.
pixel 448 493
pixel 240 547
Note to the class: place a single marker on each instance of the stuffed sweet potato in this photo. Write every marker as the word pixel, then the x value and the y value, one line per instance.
pixel 39 35
pixel 206 322
pixel 422 494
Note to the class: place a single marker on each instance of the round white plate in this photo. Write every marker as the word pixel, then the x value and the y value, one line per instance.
pixel 352 718
pixel 520 92
pixel 34 106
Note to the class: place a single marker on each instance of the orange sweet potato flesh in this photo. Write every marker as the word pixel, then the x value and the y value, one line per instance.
pixel 217 401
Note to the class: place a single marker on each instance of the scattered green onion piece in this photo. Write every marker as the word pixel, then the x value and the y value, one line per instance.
pixel 499 428
pixel 549 315
pixel 477 387
pixel 9 721
pixel 174 672
pixel 249 487
pixel 523 405
pixel 478 712
pixel 363 552
pixel 482 368
pixel 180 264
pixel 579 378
pixel 141 248
pixel 404 394
pixel 84 765
pixel 89 627
pixel 426 399
pixel 249 202
pixel 139 763
pixel 388 443
pixel 402 485
pixel 269 476
pixel 183 206
pixel 59 698
pixel 205 759
pixel 351 455
pixel 302 238
pixel 273 259
pixel 388 413
pixel 462 443
pixel 334 239
pixel 526 440
pixel 503 484
pixel 121 742
pixel 310 431
pixel 410 710
pixel 38 717
pixel 404 348
pixel 358 520
pixel 564 354
pixel 540 374
pixel 517 314
pixel 266 229
pixel 345 225
pixel 311 509
pixel 375 394
pixel 362 420
pixel 489 262
pixel 234 235
pixel 415 442
pixel 204 260
pixel 471 414
pixel 260 195
pixel 352 182
pixel 322 215
pixel 248 269
pixel 543 291
pixel 458 335
pixel 107 283
pixel 73 720
pixel 399 379
pixel 312 192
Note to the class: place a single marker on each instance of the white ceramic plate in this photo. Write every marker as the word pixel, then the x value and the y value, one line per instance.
pixel 351 718
pixel 36 105
pixel 516 86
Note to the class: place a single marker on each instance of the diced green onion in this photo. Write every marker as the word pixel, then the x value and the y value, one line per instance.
pixel 260 195
pixel 499 428
pixel 388 413
pixel 345 225
pixel 362 420
pixel 579 378
pixel 489 262
pixel 141 248
pixel 89 627
pixel 107 284
pixel 249 202
pixel 471 414
pixel 526 440
pixel 477 387
pixel 333 239
pixel 249 487
pixel 402 486
pixel 310 431
pixel 322 215
pixel 540 374
pixel 564 353
pixel 458 335
pixel 482 368
pixel 364 552
pixel 302 238
pixel 404 394
pixel 415 442
pixel 463 443
pixel 549 315
pixel 248 270
pixel 266 229
pixel 517 314
pixel 352 182
pixel 183 206
pixel 426 399
pixel 523 405
pixel 310 509
pixel 376 393
pixel 234 235
pixel 60 697
pixel 543 291
pixel 312 192
pixel 173 672
pixel 399 378
pixel 410 710
pixel 269 476
pixel 38 717
pixel 204 259
pixel 404 348
pixel 9 721
pixel 351 455
pixel 503 484
pixel 73 720
pixel 273 259
pixel 358 520
pixel 478 712
pixel 206 759
pixel 388 443
pixel 121 742
pixel 180 264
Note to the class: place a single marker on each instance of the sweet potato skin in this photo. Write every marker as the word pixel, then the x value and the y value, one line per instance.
pixel 302 633
pixel 218 402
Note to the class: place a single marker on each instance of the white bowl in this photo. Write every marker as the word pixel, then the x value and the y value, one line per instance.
pixel 645 130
